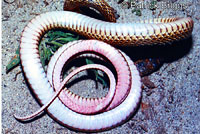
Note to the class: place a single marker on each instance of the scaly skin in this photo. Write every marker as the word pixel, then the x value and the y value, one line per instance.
pixel 147 32
pixel 107 99
pixel 145 66
pixel 128 92
pixel 128 76
pixel 100 5
pixel 81 105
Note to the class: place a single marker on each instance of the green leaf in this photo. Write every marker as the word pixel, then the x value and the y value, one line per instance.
pixel 48 45
pixel 42 58
pixel 97 75
pixel 89 61
pixel 54 43
pixel 102 80
pixel 53 35
pixel 48 54
pixel 41 52
pixel 67 39
pixel 13 62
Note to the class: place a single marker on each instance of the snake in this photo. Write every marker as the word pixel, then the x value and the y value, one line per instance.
pixel 123 98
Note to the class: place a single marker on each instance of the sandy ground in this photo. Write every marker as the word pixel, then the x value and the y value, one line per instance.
pixel 170 98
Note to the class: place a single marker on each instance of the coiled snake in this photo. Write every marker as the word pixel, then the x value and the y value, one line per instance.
pixel 125 90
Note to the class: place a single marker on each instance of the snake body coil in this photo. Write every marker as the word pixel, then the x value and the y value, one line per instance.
pixel 128 86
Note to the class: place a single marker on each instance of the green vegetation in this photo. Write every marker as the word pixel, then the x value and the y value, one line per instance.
pixel 48 46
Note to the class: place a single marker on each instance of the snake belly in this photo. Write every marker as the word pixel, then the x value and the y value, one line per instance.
pixel 145 66
pixel 156 31
pixel 102 121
